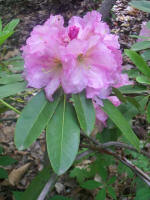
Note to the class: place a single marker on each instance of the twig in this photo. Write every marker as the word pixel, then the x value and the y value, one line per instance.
pixel 115 144
pixel 83 154
pixel 102 148
pixel 48 187
pixel 122 159
pixel 126 146
pixel 9 106
pixel 50 184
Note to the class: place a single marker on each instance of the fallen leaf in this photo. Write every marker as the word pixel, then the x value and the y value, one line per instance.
pixel 16 174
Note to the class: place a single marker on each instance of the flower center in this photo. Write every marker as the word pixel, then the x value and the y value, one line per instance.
pixel 58 63
pixel 80 57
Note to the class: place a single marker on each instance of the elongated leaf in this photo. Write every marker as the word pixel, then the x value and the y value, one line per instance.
pixel 119 95
pixel 91 184
pixel 17 195
pixel 11 79
pixel 62 137
pixel 4 36
pixel 11 89
pixel 148 25
pixel 141 5
pixel 138 61
pixel 141 45
pixel 134 102
pixel 116 116
pixel 34 119
pixel 146 55
pixel 139 36
pixel 148 113
pixel 37 185
pixel 17 63
pixel 11 25
pixel 133 89
pixel 85 112
pixel 111 192
pixel 143 80
pixel 101 195
pixel 0 25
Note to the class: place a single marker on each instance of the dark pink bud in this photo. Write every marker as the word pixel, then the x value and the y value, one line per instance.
pixel 73 32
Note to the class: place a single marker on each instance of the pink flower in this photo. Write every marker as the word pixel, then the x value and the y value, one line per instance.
pixel 45 57
pixel 101 116
pixel 82 56
pixel 144 32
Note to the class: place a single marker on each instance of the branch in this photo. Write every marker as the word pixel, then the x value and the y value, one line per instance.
pixel 115 144
pixel 51 182
pixel 48 187
pixel 126 146
pixel 122 159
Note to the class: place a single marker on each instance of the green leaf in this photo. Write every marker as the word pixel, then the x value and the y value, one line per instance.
pixel 111 180
pixel 90 185
pixel 79 174
pixel 141 5
pixel 132 73
pixel 146 55
pixel 36 186
pixel 62 137
pixel 133 89
pixel 6 160
pixel 148 113
pixel 1 150
pixel 11 25
pixel 13 78
pixel 133 101
pixel 101 195
pixel 12 89
pixel 116 116
pixel 17 195
pixel 138 46
pixel 143 80
pixel 17 63
pixel 0 25
pixel 142 194
pixel 138 61
pixel 85 112
pixel 139 36
pixel 3 173
pixel 4 36
pixel 148 25
pixel 119 95
pixel 34 119
pixel 111 192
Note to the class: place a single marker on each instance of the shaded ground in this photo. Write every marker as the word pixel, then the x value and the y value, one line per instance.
pixel 125 21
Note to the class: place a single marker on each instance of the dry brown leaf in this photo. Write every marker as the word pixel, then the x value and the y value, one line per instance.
pixel 16 174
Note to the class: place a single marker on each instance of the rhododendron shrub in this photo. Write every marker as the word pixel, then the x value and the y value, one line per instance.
pixel 77 66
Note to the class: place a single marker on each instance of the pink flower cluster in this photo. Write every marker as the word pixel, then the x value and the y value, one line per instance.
pixel 82 56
